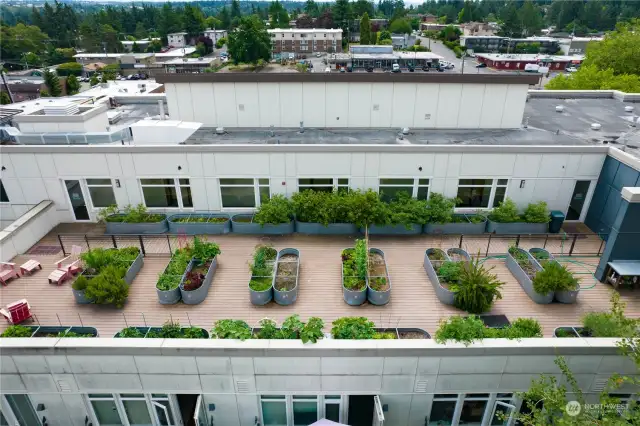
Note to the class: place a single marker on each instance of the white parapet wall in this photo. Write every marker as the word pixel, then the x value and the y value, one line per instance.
pixel 27 230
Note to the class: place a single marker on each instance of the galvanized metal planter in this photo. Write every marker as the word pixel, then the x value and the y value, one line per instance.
pixel 286 297
pixel 515 228
pixel 159 329
pixel 444 295
pixel 400 331
pixel 170 297
pixel 311 228
pixel 134 269
pixel 199 228
pixel 378 297
pixel 193 297
pixel 573 331
pixel 252 228
pixel 455 228
pixel 143 330
pixel 525 281
pixel 80 297
pixel 137 228
pixel 454 251
pixel 353 297
pixel 566 296
pixel 413 229
pixel 42 331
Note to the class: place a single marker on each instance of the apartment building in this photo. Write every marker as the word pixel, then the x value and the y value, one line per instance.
pixel 177 39
pixel 302 41
pixel 215 35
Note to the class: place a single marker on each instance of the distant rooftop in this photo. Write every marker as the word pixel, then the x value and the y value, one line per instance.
pixel 177 52
pixel 193 61
pixel 528 57
pixel 305 30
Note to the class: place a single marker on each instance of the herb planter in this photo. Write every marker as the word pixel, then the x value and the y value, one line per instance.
pixel 214 225
pixel 406 333
pixel 193 297
pixel 525 280
pixel 173 296
pixel 143 330
pixel 380 272
pixel 137 228
pixel 153 330
pixel 287 272
pixel 566 296
pixel 413 229
pixel 312 228
pixel 515 228
pixel 444 295
pixel 456 228
pixel 458 255
pixel 52 331
pixel 243 224
pixel 133 270
pixel 567 331
pixel 352 297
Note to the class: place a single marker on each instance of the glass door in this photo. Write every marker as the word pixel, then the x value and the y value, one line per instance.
pixel 333 408
pixel 200 415
pixel 162 410
pixel 105 410
pixel 502 414
pixel 76 198
pixel 22 410
pixel 577 199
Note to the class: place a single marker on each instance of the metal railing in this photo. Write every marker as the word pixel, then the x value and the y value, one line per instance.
pixel 561 244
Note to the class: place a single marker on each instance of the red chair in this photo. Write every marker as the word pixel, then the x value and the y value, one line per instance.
pixel 17 312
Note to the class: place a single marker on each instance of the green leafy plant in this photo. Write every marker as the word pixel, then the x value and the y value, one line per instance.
pixel 350 272
pixel 291 327
pixel 449 272
pixel 405 210
pixel 268 329
pixel 95 260
pixel 554 277
pixel 131 332
pixel 439 208
pixel 171 330
pixel 104 213
pixel 314 206
pixel 109 287
pixel 366 208
pixel 80 283
pixel 204 250
pixel 563 332
pixel 387 335
pixel 17 331
pixel 262 268
pixel 170 278
pixel 193 333
pixel 523 328
pixel 132 214
pixel 73 334
pixel 613 323
pixel 312 330
pixel 231 329
pixel 276 210
pixel 353 328
pixel 460 329
pixel 476 288
pixel 506 212
pixel 537 213
pixel 361 259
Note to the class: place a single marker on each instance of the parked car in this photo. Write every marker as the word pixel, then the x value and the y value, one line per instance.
pixel 446 65
pixel 369 68
pixel 440 69
pixel 411 68
pixel 395 68
pixel 318 55
pixel 349 68
pixel 481 65
pixel 572 69
pixel 327 69
pixel 426 68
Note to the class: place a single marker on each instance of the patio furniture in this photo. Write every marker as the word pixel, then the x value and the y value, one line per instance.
pixel 7 271
pixel 17 312
pixel 624 273
pixel 62 274
pixel 71 262
pixel 30 266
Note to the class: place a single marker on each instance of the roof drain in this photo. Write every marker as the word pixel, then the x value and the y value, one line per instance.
pixel 302 127
pixel 271 132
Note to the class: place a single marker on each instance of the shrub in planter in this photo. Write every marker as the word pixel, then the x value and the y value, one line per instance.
pixel 17 331
pixel 449 272
pixel 131 333
pixel 170 278
pixel 407 211
pixel 173 330
pixel 439 208
pixel 460 329
pixel 312 330
pixel 291 327
pixel 537 213
pixel 554 277
pixel 109 287
pixel 277 210
pixel 131 214
pixel 506 212
pixel 475 287
pixel 613 323
pixel 535 218
pixel 231 329
pixel 366 208
pixel 95 260
pixel 262 268
pixel 353 328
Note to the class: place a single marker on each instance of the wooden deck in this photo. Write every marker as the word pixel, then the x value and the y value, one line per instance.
pixel 413 301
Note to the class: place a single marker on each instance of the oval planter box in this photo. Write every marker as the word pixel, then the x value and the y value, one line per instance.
pixel 173 296
pixel 414 229
pixel 134 269
pixel 455 228
pixel 379 297
pixel 575 331
pixel 286 297
pixel 193 297
pixel 353 297
pixel 459 252
pixel 311 228
pixel 257 229
pixel 525 281
pixel 515 228
pixel 567 296
pixel 444 295
pixel 199 228
pixel 137 228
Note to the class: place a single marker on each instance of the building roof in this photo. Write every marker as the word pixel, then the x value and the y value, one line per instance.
pixel 177 34
pixel 177 52
pixel 191 61
pixel 129 42
pixel 305 30
pixel 98 55
pixel 528 57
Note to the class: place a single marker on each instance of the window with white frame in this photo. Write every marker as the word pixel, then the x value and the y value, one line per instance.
pixel 502 409
pixel 136 409
pixel 389 188
pixel 166 193
pixel 239 193
pixel 443 409
pixel 481 193
pixel 101 192
pixel 274 410
pixel 323 184
pixel 4 198
pixel 162 408
pixel 473 408
pixel 22 409
pixel 132 409
pixel 299 410
pixel 105 409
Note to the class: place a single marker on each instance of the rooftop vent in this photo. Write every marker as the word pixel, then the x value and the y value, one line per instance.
pixel 302 127
pixel 405 130
pixel 559 108
pixel 219 130
pixel 596 126
pixel 61 109
pixel 628 108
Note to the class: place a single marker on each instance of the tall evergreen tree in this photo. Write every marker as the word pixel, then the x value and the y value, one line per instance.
pixel 365 29
pixel 52 82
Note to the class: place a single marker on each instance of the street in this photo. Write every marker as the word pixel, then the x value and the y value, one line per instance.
pixel 469 63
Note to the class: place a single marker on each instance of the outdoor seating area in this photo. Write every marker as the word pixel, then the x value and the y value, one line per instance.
pixel 413 303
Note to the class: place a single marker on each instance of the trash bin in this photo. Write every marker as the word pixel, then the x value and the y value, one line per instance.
pixel 557 219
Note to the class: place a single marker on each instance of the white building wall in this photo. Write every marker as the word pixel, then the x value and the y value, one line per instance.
pixel 533 177
pixel 355 105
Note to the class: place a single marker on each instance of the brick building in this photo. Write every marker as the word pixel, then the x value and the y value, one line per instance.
pixel 305 41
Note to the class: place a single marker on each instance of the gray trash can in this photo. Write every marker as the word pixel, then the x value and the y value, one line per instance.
pixel 557 219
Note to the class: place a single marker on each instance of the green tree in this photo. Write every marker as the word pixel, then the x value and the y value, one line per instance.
pixel 235 9
pixel 360 7
pixel 400 26
pixel 224 18
pixel 384 35
pixel 311 9
pixel 365 29
pixel 93 80
pixel 69 68
pixel 193 20
pixel 154 46
pixel 73 85
pixel 213 22
pixel 20 40
pixel 4 98
pixel 342 16
pixel 619 51
pixel 221 42
pixel 589 77
pixel 511 25
pixel 250 42
pixel 531 18
pixel 141 31
pixel 466 14
pixel 52 82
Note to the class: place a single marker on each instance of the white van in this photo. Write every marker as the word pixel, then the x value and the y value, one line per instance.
pixel 395 68
pixel 531 67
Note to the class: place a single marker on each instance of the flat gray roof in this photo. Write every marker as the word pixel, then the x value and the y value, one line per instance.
pixel 545 126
